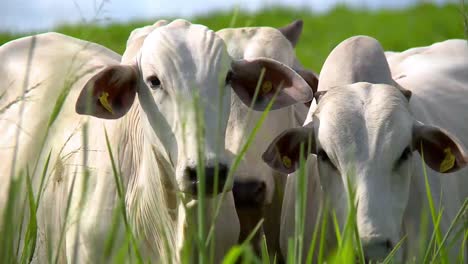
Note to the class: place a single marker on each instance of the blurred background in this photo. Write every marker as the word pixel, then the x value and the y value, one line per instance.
pixel 398 24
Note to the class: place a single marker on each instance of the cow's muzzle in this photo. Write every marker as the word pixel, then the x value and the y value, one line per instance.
pixel 249 194
pixel 215 179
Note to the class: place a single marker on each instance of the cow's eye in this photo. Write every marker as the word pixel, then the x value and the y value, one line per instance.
pixel 405 155
pixel 228 78
pixel 154 82
pixel 322 155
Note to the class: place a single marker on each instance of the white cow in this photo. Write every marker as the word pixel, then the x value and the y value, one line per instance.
pixel 255 183
pixel 35 72
pixel 255 193
pixel 368 127
pixel 154 135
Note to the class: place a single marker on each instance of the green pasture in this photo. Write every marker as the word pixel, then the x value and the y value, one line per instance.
pixel 397 30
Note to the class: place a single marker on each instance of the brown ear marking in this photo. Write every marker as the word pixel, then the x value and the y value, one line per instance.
pixel 292 31
pixel 439 150
pixel 247 75
pixel 283 154
pixel 278 79
pixel 109 94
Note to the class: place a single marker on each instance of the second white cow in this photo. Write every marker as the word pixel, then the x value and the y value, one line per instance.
pixel 257 188
pixel 368 131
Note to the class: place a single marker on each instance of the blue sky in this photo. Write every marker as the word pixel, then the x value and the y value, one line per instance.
pixel 29 15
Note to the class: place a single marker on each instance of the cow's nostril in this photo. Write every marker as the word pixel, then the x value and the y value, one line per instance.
pixel 389 244
pixel 191 174
pixel 210 174
pixel 249 194
pixel 260 191
pixel 223 171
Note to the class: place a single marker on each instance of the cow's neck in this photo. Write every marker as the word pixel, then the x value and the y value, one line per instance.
pixel 150 197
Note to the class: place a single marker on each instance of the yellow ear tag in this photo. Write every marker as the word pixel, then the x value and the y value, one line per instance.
pixel 105 103
pixel 266 87
pixel 287 162
pixel 448 162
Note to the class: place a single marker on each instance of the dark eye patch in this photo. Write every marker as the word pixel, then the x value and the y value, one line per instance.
pixel 154 82
pixel 228 78
pixel 323 157
pixel 405 155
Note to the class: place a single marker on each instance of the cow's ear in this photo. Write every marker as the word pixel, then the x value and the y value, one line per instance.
pixel 440 151
pixel 110 93
pixel 292 31
pixel 283 154
pixel 278 79
pixel 311 78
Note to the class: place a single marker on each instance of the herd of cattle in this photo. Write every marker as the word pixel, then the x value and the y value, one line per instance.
pixel 180 100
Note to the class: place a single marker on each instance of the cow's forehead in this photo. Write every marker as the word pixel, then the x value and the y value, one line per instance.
pixel 254 42
pixel 367 117
pixel 184 49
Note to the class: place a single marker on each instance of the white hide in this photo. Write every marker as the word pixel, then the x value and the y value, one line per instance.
pixel 146 163
pixel 181 120
pixel 361 128
pixel 250 43
pixel 43 67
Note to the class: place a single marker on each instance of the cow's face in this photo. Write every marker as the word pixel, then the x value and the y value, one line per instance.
pixel 365 135
pixel 184 72
pixel 183 76
pixel 366 141
pixel 254 184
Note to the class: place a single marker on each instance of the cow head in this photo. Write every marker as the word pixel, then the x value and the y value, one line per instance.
pixel 365 135
pixel 183 77
pixel 254 184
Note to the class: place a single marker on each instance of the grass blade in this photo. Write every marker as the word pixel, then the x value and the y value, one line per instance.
pixel 121 197
pixel 392 253
pixel 460 213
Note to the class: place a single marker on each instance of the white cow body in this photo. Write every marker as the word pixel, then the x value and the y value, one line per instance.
pixel 24 130
pixel 267 185
pixel 437 77
pixel 363 127
pixel 149 199
pixel 154 143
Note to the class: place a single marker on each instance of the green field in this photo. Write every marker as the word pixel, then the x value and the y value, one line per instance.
pixel 397 30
